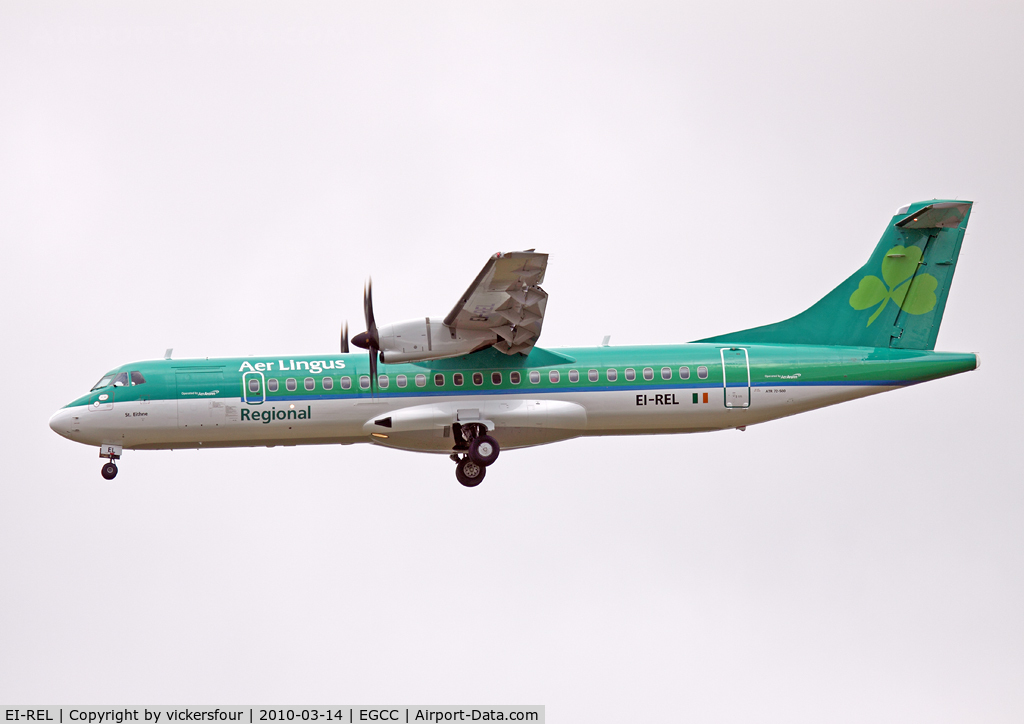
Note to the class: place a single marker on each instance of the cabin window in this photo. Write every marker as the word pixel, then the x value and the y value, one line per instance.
pixel 290 384
pixel 421 380
pixel 272 384
pixel 309 383
pixel 612 374
pixel 666 373
pixel 457 379
pixel 630 374
pixel 574 375
pixel 439 380
pixel 553 376
pixel 702 372
pixel 495 378
pixel 514 378
pixel 137 378
pixel 364 382
pixel 648 374
pixel 684 373
pixel 478 378
pixel 346 383
pixel 592 375
pixel 254 384
pixel 402 380
pixel 534 376
pixel 121 380
pixel 328 383
pixel 383 381
pixel 106 380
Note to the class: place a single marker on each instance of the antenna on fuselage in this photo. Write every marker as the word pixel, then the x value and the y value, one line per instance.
pixel 167 354
pixel 606 341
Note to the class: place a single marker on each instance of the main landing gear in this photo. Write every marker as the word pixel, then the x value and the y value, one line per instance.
pixel 468 472
pixel 478 450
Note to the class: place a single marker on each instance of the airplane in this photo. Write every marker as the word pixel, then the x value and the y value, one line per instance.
pixel 475 382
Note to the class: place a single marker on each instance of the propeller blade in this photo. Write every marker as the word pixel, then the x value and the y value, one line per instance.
pixel 373 370
pixel 344 338
pixel 371 323
pixel 370 339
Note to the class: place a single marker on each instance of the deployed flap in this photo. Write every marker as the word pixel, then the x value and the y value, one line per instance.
pixel 506 299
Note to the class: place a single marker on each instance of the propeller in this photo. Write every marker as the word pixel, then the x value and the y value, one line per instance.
pixel 369 339
pixel 344 337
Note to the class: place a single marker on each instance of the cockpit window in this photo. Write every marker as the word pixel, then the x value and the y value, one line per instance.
pixel 121 380
pixel 137 378
pixel 106 380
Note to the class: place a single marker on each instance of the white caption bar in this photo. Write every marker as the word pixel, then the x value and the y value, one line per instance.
pixel 349 714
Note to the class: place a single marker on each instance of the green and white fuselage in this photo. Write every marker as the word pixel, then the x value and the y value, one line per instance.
pixel 585 391
pixel 475 382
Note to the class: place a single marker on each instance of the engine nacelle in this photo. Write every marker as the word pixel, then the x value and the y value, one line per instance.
pixel 417 340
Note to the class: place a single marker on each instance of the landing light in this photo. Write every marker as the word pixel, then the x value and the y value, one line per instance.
pixel 378 434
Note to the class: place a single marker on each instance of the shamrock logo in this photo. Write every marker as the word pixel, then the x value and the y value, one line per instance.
pixel 898 269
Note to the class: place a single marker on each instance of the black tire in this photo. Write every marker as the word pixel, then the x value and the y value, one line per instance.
pixel 470 473
pixel 484 450
pixel 109 471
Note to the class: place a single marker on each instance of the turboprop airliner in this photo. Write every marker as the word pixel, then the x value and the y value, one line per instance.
pixel 475 382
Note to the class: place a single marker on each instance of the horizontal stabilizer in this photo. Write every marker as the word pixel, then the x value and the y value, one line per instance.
pixel 947 215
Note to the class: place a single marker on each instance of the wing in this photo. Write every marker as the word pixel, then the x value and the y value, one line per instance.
pixel 506 299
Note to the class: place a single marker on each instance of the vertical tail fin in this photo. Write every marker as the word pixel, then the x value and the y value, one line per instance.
pixel 895 300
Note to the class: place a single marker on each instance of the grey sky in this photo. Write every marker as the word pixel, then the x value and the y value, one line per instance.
pixel 221 178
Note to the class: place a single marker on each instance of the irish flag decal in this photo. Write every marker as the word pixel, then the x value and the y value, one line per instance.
pixel 700 397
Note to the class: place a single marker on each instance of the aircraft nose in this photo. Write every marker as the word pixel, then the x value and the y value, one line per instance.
pixel 59 420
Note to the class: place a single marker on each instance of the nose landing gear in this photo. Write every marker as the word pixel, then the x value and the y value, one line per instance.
pixel 111 453
pixel 480 449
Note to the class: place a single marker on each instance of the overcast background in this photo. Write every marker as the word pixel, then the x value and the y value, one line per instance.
pixel 221 178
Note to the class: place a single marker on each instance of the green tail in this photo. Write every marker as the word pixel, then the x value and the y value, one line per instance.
pixel 895 300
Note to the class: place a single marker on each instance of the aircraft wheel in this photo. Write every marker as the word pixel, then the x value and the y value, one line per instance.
pixel 470 473
pixel 484 450
pixel 109 471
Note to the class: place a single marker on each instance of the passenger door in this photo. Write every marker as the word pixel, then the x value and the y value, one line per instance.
pixel 254 388
pixel 736 377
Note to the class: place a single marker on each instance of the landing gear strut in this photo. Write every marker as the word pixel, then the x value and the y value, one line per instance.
pixel 111 453
pixel 480 450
